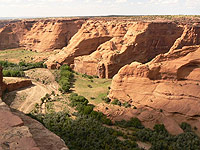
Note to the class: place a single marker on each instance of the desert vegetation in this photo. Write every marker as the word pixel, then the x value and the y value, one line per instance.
pixel 83 109
pixel 85 128
pixel 66 78
pixel 17 70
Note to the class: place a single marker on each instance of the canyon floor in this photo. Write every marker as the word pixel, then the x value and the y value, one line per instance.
pixel 120 82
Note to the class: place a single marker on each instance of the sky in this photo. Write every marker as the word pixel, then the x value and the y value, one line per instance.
pixel 58 8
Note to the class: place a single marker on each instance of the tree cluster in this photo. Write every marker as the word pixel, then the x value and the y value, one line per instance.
pixel 17 70
pixel 66 78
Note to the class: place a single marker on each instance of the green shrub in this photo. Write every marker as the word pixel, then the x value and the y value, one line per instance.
pixel 160 128
pixel 82 106
pixel 13 73
pixel 16 70
pixel 126 105
pixel 87 76
pixel 66 74
pixel 77 100
pixel 161 139
pixel 186 127
pixel 133 122
pixel 6 64
pixel 65 67
pixel 84 133
pixel 92 98
pixel 107 100
pixel 116 102
pixel 66 77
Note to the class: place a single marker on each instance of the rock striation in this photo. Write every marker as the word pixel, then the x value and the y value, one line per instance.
pixel 39 35
pixel 99 47
pixel 12 34
pixel 102 47
pixel 49 35
pixel 165 90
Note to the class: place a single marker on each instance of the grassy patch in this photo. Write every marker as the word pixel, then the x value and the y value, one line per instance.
pixel 93 89
pixel 19 54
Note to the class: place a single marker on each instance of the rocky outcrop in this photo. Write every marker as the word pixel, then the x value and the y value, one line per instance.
pixel 12 34
pixel 165 90
pixel 99 46
pixel 24 133
pixel 141 42
pixel 39 35
pixel 13 84
pixel 190 36
pixel 13 133
pixel 102 47
pixel 5 22
pixel 18 131
pixel 49 35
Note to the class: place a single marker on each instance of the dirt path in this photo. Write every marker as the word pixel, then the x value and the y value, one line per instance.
pixel 35 92
pixel 34 95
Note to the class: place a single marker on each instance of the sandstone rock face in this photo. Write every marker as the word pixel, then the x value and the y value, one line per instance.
pixel 20 132
pixel 5 22
pixel 13 84
pixel 13 133
pixel 49 35
pixel 190 36
pixel 39 35
pixel 102 47
pixel 12 34
pixel 165 90
pixel 141 42
pixel 44 139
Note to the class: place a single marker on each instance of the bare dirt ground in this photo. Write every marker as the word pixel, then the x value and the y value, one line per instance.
pixel 25 99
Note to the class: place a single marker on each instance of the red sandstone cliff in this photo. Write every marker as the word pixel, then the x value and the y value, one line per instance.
pixel 103 47
pixel 50 35
pixel 165 90
pixel 39 35
pixel 99 47
pixel 12 34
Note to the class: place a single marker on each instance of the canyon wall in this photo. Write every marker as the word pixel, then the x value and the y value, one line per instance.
pixel 165 90
pixel 39 35
pixel 99 46
pixel 49 35
pixel 102 47
pixel 12 34
pixel 6 22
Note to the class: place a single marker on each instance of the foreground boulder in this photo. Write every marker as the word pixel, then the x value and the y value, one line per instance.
pixel 165 90
pixel 18 131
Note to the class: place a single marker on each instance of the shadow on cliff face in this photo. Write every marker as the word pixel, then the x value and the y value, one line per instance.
pixel 187 70
pixel 8 98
